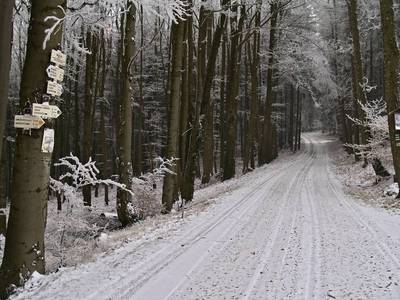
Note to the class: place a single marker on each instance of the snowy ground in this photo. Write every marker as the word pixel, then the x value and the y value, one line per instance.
pixel 362 183
pixel 286 231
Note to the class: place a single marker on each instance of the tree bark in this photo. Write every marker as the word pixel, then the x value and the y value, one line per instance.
pixel 24 250
pixel 177 34
pixel 124 199
pixel 267 141
pixel 207 103
pixel 232 91
pixel 391 76
pixel 6 11
pixel 357 67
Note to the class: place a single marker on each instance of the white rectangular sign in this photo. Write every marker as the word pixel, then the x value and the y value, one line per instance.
pixel 48 141
pixel 54 89
pixel 28 122
pixel 55 73
pixel 46 111
pixel 397 121
pixel 58 58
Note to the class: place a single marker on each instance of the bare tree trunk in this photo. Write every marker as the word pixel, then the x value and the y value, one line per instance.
pixel 24 250
pixel 91 44
pixel 254 59
pixel 392 78
pixel 357 70
pixel 267 141
pixel 232 92
pixel 6 11
pixel 177 33
pixel 207 104
pixel 124 200
pixel 291 118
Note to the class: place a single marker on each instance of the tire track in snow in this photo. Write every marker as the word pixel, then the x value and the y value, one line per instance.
pixel 155 267
pixel 314 262
pixel 269 247
pixel 238 227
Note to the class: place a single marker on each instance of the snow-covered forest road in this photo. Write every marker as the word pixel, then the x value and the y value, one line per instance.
pixel 288 232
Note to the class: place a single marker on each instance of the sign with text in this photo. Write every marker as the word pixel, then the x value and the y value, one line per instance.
pixel 28 122
pixel 54 89
pixel 55 73
pixel 397 121
pixel 58 58
pixel 48 141
pixel 46 111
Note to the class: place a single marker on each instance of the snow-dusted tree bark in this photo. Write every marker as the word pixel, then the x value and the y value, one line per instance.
pixel 126 214
pixel 6 11
pixel 267 140
pixel 189 119
pixel 357 64
pixel 91 43
pixel 391 75
pixel 254 60
pixel 177 34
pixel 207 103
pixel 24 249
pixel 237 23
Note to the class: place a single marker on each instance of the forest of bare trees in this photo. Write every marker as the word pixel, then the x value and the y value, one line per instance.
pixel 202 90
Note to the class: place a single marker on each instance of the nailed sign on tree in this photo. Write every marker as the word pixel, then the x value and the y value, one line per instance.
pixel 28 122
pixel 46 111
pixel 55 73
pixel 54 89
pixel 58 58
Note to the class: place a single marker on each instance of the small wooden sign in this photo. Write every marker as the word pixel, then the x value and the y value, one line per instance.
pixel 46 111
pixel 58 58
pixel 48 141
pixel 28 122
pixel 55 73
pixel 54 89
pixel 397 120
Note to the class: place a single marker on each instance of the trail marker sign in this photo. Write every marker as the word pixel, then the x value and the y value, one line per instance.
pixel 48 141
pixel 54 89
pixel 46 111
pixel 55 73
pixel 397 120
pixel 58 58
pixel 28 122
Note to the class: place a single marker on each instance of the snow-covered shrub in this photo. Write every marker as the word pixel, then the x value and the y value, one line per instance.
pixel 376 124
pixel 145 187
pixel 72 232
pixel 77 176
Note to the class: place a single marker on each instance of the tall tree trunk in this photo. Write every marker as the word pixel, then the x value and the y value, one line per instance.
pixel 125 206
pixel 357 67
pixel 191 129
pixel 138 159
pixel 6 12
pixel 254 59
pixel 222 101
pixel 91 44
pixel 24 250
pixel 233 91
pixel 177 34
pixel 207 104
pixel 267 140
pixel 291 118
pixel 391 75
pixel 299 117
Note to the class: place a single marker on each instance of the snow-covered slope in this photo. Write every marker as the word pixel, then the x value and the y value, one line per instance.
pixel 285 232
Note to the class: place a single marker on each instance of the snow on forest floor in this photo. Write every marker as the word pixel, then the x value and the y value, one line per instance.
pixel 284 231
pixel 362 183
pixel 78 235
